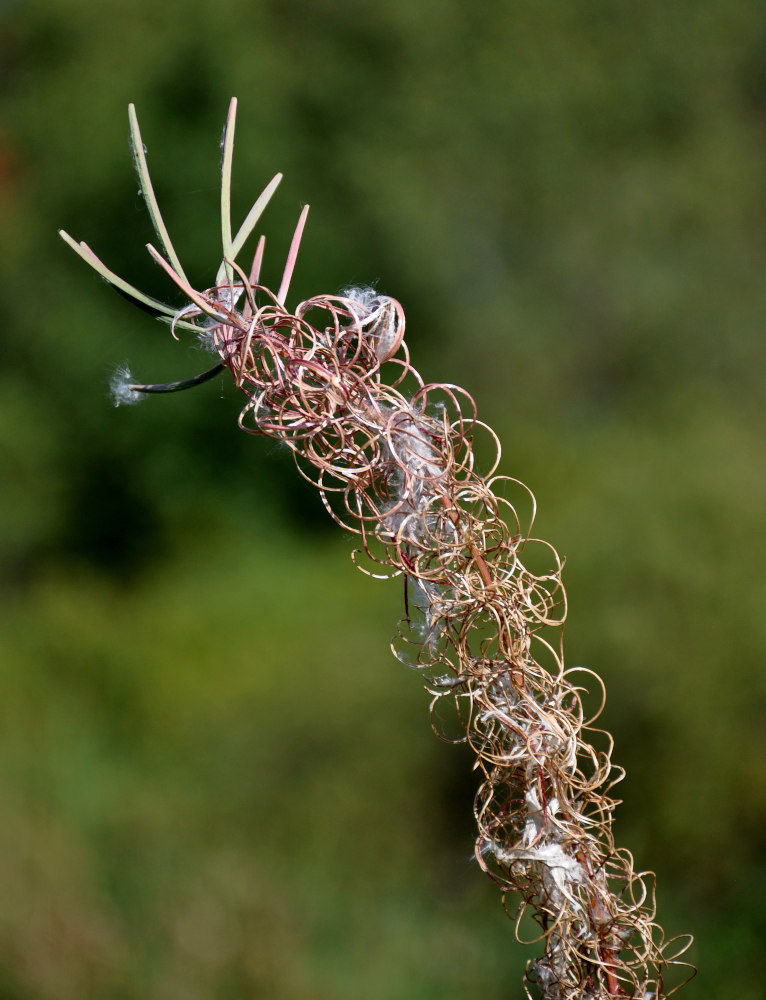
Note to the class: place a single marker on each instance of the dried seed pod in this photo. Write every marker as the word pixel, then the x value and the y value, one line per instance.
pixel 485 629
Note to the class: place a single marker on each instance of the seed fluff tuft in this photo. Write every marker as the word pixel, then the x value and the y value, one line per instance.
pixel 121 388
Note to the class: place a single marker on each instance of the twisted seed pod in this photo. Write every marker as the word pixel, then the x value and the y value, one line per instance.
pixel 396 467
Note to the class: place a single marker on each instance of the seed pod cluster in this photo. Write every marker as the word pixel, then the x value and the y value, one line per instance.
pixel 394 460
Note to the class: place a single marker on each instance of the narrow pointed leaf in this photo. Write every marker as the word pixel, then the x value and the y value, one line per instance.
pixel 147 191
pixel 228 152
pixel 249 224
pixel 255 270
pixel 292 257
pixel 193 296
pixel 84 251
pixel 254 214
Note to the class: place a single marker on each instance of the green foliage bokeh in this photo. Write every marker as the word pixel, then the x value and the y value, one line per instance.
pixel 215 781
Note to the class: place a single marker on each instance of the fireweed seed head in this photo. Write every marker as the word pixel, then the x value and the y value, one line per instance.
pixel 398 469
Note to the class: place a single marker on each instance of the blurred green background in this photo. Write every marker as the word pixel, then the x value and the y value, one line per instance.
pixel 215 780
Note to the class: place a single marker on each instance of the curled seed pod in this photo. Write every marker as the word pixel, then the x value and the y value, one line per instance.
pixel 483 625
